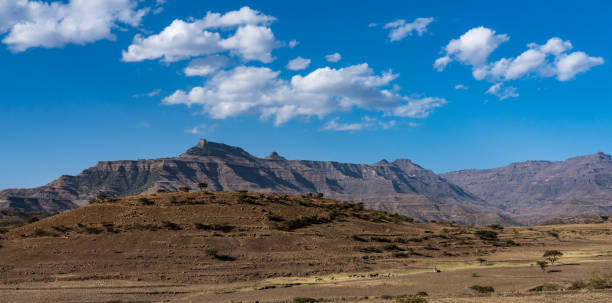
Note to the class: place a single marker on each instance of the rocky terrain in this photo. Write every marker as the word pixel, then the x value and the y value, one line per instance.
pixel 399 186
pixel 539 190
pixel 254 247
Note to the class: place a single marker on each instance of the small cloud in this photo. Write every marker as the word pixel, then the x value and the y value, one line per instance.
pixel 150 94
pixel 201 129
pixel 293 43
pixel 298 63
pixel 369 123
pixel 372 24
pixel 335 57
pixel 502 92
pixel 400 29
pixel 461 87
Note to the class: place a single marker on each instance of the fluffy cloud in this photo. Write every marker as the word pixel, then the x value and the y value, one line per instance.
pixel 472 48
pixel 298 63
pixel 206 66
pixel 549 60
pixel 461 87
pixel 252 39
pixel 335 57
pixel 248 89
pixel 293 43
pixel 552 59
pixel 399 29
pixel 42 24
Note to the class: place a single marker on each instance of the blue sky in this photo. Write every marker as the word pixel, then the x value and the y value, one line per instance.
pixel 83 81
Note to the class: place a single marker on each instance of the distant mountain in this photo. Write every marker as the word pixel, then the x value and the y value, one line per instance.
pixel 539 190
pixel 399 186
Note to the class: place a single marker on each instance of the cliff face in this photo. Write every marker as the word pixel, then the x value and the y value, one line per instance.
pixel 539 190
pixel 399 186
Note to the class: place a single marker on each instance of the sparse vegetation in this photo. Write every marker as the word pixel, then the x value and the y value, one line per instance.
pixel 552 256
pixel 171 225
pixel 214 253
pixel 224 227
pixel 482 289
pixel 495 226
pixel 358 238
pixel 487 235
pixel 370 249
pixel 410 299
pixel 481 261
pixel 202 186
pixel 291 225
pixel 553 233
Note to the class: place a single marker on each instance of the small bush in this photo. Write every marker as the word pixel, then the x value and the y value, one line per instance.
pixel 552 255
pixel 93 230
pixel 300 222
pixel 554 234
pixel 577 285
pixel 482 289
pixel 212 252
pixel 392 247
pixel 495 226
pixel 605 218
pixel 161 190
pixel 275 218
pixel 542 265
pixel 320 195
pixel 184 189
pixel 145 201
pixel 224 227
pixel 3 230
pixel 599 281
pixel 41 233
pixel 62 228
pixel 370 249
pixel 381 239
pixel 358 238
pixel 171 225
pixel 487 235
pixel 304 300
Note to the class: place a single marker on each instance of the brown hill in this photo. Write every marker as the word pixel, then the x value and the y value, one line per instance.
pixel 399 186
pixel 223 237
pixel 539 190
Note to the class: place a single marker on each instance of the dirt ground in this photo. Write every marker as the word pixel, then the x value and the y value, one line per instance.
pixel 126 251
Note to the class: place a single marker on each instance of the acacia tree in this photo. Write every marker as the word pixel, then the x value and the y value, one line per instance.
pixel 552 255
pixel 202 185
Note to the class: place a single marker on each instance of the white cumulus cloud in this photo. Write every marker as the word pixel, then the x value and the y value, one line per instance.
pixel 369 123
pixel 260 90
pixel 552 59
pixel 335 57
pixel 298 63
pixel 30 24
pixel 252 39
pixel 399 29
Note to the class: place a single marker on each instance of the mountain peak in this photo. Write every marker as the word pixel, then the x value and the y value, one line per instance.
pixel 206 148
pixel 275 156
pixel 406 164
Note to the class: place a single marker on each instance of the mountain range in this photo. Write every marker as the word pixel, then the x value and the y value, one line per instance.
pixel 520 193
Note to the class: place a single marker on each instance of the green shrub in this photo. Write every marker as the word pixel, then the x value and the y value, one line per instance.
pixel 392 247
pixel 482 289
pixel 211 252
pixel 599 281
pixel 553 233
pixel 542 265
